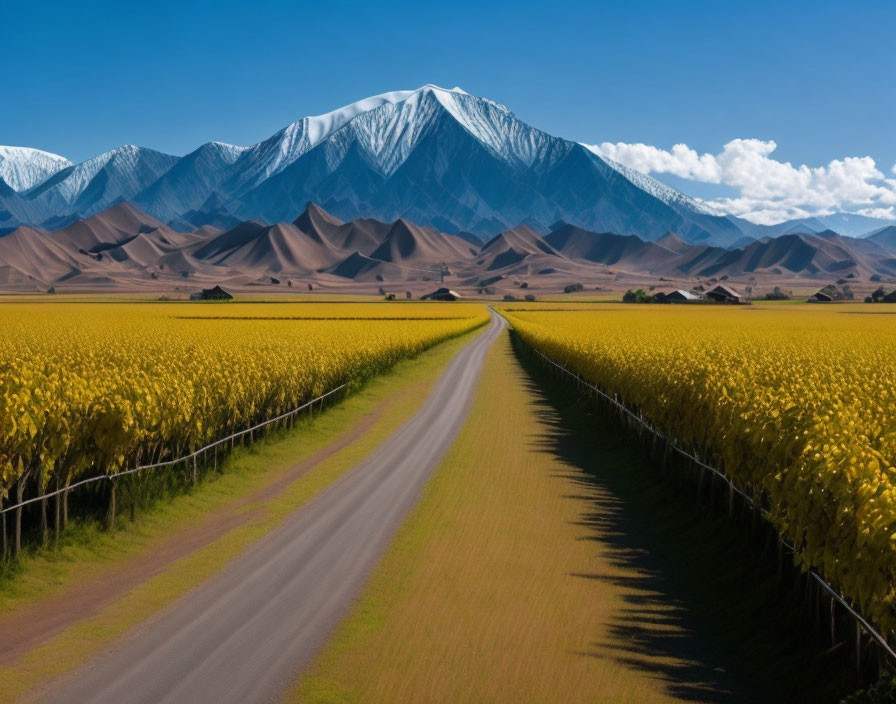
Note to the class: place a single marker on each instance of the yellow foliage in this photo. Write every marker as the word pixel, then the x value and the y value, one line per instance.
pixel 87 388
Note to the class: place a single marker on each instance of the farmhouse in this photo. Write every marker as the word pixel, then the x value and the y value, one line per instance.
pixel 725 294
pixel 681 296
pixel 821 297
pixel 211 294
pixel 442 294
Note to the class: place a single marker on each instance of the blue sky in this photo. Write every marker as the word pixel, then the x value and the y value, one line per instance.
pixel 817 78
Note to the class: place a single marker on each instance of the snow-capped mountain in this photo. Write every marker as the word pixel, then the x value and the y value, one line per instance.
pixel 124 169
pixel 23 167
pixel 461 163
pixel 438 157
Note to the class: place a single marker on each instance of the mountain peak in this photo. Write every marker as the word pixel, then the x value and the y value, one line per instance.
pixel 314 219
pixel 22 168
pixel 673 243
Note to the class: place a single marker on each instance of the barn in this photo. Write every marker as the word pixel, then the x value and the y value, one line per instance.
pixel 725 294
pixel 211 294
pixel 442 294
pixel 681 296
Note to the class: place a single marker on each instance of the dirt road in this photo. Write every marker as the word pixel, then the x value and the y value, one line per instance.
pixel 243 635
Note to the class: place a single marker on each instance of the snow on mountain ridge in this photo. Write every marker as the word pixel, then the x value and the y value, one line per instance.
pixel 270 156
pixel 69 183
pixel 22 168
pixel 94 185
pixel 230 152
pixel 390 132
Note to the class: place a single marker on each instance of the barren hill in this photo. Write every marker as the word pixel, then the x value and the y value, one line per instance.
pixel 124 247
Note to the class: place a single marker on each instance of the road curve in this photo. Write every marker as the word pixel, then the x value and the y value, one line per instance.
pixel 245 634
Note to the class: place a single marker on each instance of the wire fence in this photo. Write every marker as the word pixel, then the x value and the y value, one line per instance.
pixel 862 624
pixel 191 457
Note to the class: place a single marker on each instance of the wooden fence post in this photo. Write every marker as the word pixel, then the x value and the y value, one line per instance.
pixel 58 503
pixel 112 505
pixel 4 548
pixel 833 622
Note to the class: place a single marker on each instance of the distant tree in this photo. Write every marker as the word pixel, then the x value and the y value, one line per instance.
pixel 572 288
pixel 530 297
pixel 777 295
pixel 310 287
pixel 390 296
pixel 525 284
pixel 289 282
pixel 408 295
pixel 509 297
pixel 839 293
pixel 636 296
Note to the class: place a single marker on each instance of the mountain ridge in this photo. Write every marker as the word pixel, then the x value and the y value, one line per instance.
pixel 126 247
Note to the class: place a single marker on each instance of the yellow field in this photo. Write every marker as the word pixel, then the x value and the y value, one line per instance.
pixel 87 389
pixel 798 402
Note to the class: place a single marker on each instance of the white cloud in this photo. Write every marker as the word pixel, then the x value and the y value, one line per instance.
pixel 882 213
pixel 768 190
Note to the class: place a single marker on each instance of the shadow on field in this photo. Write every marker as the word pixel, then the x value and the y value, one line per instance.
pixel 702 609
